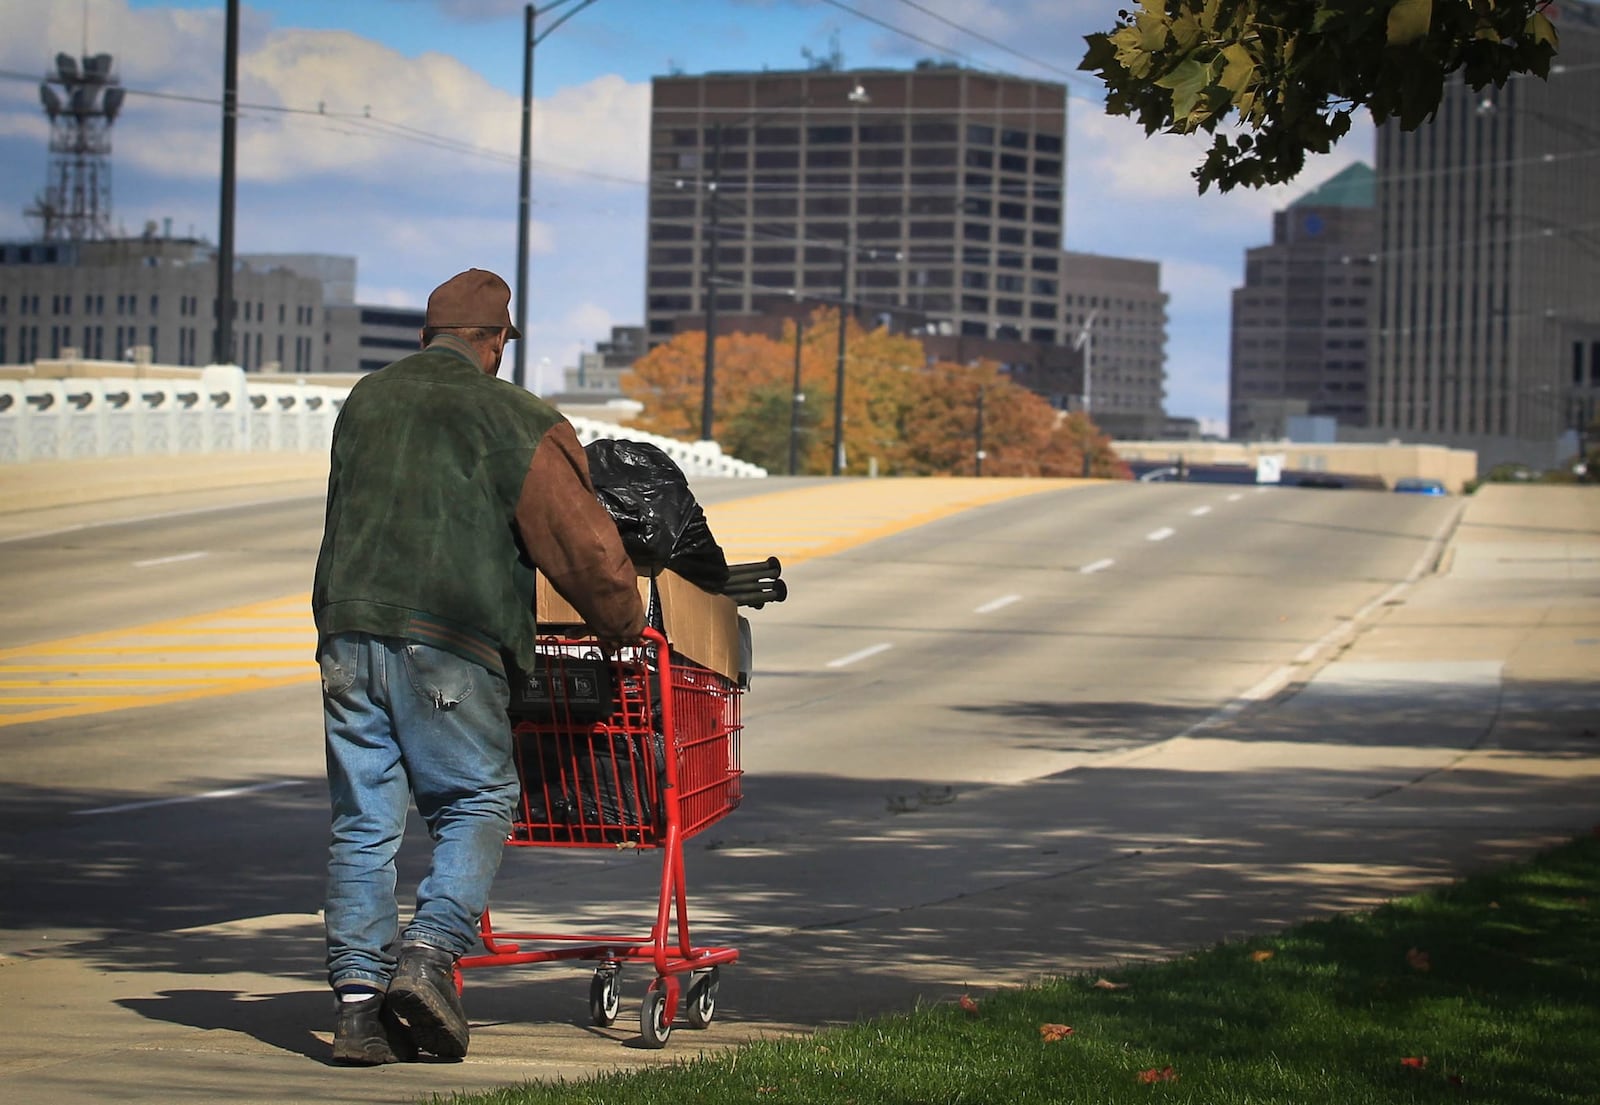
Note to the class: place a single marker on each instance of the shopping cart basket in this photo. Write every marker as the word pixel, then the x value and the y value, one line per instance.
pixel 634 750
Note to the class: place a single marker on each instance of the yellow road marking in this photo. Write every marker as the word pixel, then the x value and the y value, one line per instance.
pixel 269 644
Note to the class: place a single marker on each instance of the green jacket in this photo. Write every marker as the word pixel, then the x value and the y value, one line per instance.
pixel 447 487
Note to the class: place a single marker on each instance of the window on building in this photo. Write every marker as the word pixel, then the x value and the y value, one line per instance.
pixel 980 135
pixel 979 159
pixel 979 304
pixel 829 206
pixel 934 132
pixel 828 135
pixel 784 207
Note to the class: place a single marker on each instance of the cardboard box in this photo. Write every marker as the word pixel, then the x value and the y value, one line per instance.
pixel 702 626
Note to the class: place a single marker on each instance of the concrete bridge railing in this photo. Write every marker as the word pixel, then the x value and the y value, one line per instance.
pixel 223 410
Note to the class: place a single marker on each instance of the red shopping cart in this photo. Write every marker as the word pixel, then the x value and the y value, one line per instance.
pixel 630 751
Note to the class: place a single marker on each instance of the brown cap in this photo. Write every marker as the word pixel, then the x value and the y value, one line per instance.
pixel 476 297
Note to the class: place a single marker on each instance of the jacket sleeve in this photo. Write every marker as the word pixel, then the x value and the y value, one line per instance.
pixel 574 542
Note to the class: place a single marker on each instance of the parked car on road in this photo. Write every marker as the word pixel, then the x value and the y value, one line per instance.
pixel 1416 485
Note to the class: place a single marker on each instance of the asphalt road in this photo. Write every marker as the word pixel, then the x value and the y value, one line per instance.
pixel 916 675
pixel 901 689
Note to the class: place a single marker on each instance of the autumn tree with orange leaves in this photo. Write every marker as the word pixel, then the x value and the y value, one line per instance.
pixel 901 415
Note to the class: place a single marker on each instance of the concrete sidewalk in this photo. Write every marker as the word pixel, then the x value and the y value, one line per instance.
pixel 1459 726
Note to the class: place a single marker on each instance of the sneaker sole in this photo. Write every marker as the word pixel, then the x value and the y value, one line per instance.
pixel 431 1026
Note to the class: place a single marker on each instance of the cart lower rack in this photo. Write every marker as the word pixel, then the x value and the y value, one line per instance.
pixel 637 750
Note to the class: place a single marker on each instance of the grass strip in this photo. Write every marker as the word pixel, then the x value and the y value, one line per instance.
pixel 1485 991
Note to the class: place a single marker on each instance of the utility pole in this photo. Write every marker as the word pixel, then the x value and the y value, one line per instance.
pixel 222 352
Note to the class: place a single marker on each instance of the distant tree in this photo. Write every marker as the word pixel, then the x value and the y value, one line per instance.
pixel 1292 72
pixel 1075 437
pixel 901 415
pixel 941 428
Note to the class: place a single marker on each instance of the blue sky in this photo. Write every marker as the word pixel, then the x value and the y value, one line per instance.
pixel 411 164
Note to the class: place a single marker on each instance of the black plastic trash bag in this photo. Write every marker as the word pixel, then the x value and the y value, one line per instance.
pixel 661 522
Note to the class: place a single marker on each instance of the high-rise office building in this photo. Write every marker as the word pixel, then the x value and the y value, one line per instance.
pixel 1116 314
pixel 1487 331
pixel 1299 343
pixel 929 198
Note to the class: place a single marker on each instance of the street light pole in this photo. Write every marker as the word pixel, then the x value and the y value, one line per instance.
pixel 977 461
pixel 838 377
pixel 708 387
pixel 799 398
pixel 519 362
pixel 1084 341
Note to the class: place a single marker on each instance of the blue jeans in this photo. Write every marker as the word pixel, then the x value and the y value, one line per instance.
pixel 407 720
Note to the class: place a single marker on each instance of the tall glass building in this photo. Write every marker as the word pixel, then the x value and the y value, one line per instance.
pixel 929 197
pixel 1487 326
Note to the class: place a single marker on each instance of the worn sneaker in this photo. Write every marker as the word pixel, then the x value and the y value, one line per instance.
pixel 423 994
pixel 366 1034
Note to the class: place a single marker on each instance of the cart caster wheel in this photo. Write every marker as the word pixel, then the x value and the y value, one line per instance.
pixel 654 1027
pixel 702 1004
pixel 604 1000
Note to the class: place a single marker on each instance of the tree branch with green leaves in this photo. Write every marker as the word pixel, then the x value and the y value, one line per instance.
pixel 1274 80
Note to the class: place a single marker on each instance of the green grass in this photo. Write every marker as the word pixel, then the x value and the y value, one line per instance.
pixel 1495 981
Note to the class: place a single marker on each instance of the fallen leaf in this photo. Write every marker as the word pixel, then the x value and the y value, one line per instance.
pixel 1053 1032
pixel 1455 1080
pixel 1262 955
pixel 1494 905
pixel 1107 984
pixel 968 1004
pixel 766 1089
pixel 1165 1074
pixel 1418 960
pixel 1415 1062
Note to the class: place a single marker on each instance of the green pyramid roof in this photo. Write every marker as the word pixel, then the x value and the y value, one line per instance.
pixel 1353 186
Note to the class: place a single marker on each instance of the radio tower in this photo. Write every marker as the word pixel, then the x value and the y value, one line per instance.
pixel 76 202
